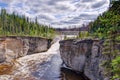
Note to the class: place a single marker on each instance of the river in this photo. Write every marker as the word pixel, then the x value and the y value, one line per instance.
pixel 42 66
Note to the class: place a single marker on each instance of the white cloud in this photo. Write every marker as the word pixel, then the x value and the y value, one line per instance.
pixel 60 13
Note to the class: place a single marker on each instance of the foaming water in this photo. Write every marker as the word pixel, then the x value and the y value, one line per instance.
pixel 42 66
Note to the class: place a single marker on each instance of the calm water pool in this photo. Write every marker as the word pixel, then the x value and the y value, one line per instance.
pixel 71 75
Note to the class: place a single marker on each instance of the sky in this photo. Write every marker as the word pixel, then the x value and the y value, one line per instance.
pixel 58 13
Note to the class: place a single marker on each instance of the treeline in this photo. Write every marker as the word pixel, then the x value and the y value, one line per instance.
pixel 107 28
pixel 108 23
pixel 15 25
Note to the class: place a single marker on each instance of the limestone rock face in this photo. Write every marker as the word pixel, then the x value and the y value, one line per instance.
pixel 74 53
pixel 37 45
pixel 15 47
pixel 84 56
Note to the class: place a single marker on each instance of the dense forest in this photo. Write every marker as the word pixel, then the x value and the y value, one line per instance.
pixel 107 28
pixel 16 25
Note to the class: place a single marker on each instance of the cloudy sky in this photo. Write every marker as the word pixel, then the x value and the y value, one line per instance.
pixel 58 13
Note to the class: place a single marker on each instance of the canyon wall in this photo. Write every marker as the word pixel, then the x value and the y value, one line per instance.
pixel 85 56
pixel 14 47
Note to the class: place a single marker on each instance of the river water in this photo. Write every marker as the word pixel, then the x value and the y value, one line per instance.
pixel 42 66
pixel 55 71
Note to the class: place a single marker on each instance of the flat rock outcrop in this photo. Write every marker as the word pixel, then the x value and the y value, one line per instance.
pixel 14 47
pixel 85 56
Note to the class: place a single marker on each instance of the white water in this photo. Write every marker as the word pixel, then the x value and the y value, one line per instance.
pixel 50 61
pixel 40 66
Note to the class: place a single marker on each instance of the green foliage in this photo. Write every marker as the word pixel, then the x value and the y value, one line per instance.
pixel 65 37
pixel 14 25
pixel 116 68
pixel 107 23
pixel 83 34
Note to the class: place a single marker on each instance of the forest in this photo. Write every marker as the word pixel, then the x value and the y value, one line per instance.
pixel 16 25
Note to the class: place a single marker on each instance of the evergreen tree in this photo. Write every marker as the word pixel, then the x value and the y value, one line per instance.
pixel 12 24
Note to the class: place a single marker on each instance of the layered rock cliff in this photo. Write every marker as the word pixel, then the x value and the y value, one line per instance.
pixel 85 56
pixel 15 47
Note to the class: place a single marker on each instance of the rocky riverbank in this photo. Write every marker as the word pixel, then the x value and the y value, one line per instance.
pixel 85 56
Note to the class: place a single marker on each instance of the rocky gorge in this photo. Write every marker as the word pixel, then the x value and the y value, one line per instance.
pixel 33 65
pixel 85 56
pixel 30 62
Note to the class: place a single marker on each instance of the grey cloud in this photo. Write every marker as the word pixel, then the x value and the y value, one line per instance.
pixel 45 17
pixel 69 22
pixel 88 0
pixel 99 4
pixel 53 2
pixel 73 11
pixel 88 16
pixel 62 7
pixel 6 1
pixel 82 17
